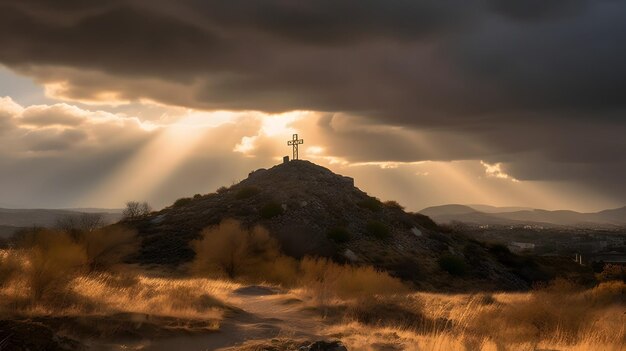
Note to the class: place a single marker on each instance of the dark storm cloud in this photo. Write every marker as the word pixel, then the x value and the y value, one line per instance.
pixel 530 10
pixel 539 81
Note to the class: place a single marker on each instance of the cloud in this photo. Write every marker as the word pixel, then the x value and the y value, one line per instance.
pixel 60 114
pixel 107 159
pixel 495 170
pixel 535 86
pixel 411 62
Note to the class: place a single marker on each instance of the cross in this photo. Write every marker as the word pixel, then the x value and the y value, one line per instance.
pixel 295 142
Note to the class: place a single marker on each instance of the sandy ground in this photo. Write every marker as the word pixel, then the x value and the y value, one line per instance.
pixel 264 313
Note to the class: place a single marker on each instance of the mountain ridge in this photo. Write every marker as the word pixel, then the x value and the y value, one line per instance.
pixel 450 213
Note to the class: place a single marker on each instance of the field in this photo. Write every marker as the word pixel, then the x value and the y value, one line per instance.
pixel 73 290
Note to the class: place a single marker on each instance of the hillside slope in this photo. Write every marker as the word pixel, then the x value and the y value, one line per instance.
pixel 302 204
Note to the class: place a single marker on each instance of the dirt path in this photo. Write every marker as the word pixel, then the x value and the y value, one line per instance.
pixel 265 314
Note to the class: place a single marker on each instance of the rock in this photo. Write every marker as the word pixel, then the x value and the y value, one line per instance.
pixel 327 346
pixel 416 231
pixel 350 255
pixel 158 219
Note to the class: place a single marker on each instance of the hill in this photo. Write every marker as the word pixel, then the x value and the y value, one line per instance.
pixel 505 216
pixel 314 212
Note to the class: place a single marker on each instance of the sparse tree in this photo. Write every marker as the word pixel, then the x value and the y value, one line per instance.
pixel 136 209
pixel 91 221
pixel 84 222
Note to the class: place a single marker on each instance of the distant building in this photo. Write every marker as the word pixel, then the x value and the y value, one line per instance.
pixel 518 247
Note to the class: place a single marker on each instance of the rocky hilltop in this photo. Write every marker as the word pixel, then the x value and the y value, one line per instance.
pixel 313 211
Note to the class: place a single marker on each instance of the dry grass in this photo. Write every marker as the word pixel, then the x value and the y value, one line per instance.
pixel 556 317
pixel 53 275
pixel 252 256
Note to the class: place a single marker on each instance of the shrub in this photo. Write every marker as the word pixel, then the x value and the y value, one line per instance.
pixel 10 266
pixel 371 203
pixel 197 196
pixel 612 272
pixel 271 210
pixel 135 209
pixel 327 279
pixel 393 205
pixel 392 311
pixel 228 250
pixel 425 221
pixel 232 251
pixel 339 235
pixel 108 246
pixel 182 201
pixel 453 264
pixel 247 192
pixel 499 249
pixel 377 229
pixel 221 190
pixel 53 259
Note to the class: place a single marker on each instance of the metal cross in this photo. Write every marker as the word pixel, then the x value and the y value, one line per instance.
pixel 295 142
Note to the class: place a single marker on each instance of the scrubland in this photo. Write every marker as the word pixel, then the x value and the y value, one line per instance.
pixel 79 286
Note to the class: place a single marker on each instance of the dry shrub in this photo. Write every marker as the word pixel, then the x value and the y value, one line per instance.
pixel 51 259
pixel 10 265
pixel 557 311
pixel 108 246
pixel 46 260
pixel 228 250
pixel 405 311
pixel 329 279
pixel 612 272
pixel 611 292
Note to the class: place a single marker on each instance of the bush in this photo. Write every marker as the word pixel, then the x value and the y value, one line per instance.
pixel 393 205
pixel 197 196
pixel 228 250
pixel 271 210
pixel 10 266
pixel 108 246
pixel 425 221
pixel 327 279
pixel 339 235
pixel 452 264
pixel 182 201
pixel 221 190
pixel 499 249
pixel 377 229
pixel 371 203
pixel 247 192
pixel 135 210
pixel 53 259
pixel 612 272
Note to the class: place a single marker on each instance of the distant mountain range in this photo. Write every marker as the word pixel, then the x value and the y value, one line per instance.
pixel 12 220
pixel 491 215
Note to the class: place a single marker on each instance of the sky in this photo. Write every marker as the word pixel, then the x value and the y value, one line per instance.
pixel 425 102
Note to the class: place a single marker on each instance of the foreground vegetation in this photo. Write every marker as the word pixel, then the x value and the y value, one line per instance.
pixel 76 280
